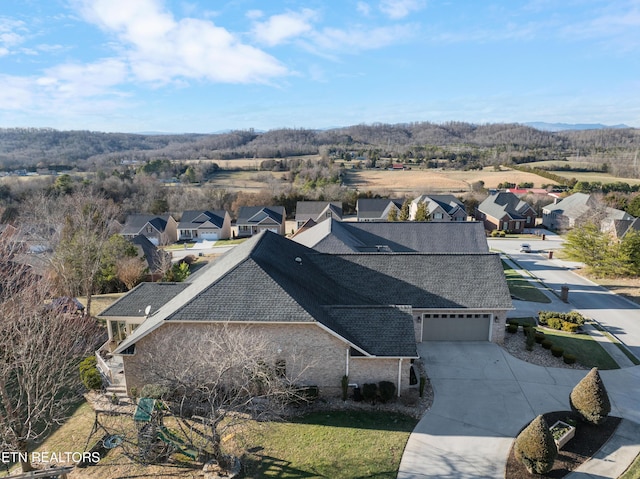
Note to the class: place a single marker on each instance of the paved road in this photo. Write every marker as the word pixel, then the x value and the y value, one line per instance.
pixel 618 315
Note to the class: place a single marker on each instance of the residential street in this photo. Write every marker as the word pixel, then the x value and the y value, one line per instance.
pixel 618 315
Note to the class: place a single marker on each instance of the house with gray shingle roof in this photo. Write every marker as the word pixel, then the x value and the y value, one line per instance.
pixel 354 314
pixel 440 208
pixel 377 209
pixel 505 211
pixel 205 225
pixel 255 219
pixel 581 208
pixel 317 211
pixel 160 230
pixel 395 236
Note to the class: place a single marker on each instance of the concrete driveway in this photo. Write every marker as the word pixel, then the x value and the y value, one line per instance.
pixel 483 397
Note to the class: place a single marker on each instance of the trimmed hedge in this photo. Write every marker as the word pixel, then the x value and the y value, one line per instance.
pixel 369 391
pixel 546 344
pixel 557 351
pixel 569 358
pixel 89 374
pixel 386 390
pixel 545 318
pixel 512 328
pixel 535 447
pixel 539 337
pixel 590 399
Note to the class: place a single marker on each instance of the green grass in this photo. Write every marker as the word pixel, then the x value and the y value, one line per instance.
pixel 615 341
pixel 229 242
pixel 586 349
pixel 522 289
pixel 634 470
pixel 178 246
pixel 340 445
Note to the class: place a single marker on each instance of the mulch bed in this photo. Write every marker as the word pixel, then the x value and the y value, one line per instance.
pixel 586 442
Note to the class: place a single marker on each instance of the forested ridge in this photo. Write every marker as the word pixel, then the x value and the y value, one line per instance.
pixel 477 145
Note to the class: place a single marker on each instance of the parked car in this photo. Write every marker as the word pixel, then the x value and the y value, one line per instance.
pixel 525 248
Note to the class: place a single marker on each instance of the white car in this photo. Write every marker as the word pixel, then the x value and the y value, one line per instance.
pixel 525 248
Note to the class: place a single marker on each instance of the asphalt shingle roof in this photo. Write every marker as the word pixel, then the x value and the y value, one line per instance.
pixel 193 219
pixel 257 214
pixel 504 203
pixel 273 279
pixel 425 237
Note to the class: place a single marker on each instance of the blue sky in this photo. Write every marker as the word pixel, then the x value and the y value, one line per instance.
pixel 206 66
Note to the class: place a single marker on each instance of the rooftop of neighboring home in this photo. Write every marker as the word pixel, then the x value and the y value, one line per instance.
pixel 448 203
pixel 258 214
pixel 396 236
pixel 504 203
pixel 374 208
pixel 136 222
pixel 580 204
pixel 317 211
pixel 362 297
pixel 195 218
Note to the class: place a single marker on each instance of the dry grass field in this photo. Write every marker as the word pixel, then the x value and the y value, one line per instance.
pixel 434 180
pixel 592 176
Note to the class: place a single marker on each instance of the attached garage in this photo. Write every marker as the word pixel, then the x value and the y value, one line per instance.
pixel 456 327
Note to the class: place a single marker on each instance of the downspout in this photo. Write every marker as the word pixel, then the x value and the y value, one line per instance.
pixel 399 375
pixel 346 364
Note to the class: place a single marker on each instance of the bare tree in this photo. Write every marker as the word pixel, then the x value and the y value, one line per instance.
pixel 130 270
pixel 40 349
pixel 77 229
pixel 218 376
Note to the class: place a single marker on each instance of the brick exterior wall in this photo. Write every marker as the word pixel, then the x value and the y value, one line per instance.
pixel 311 353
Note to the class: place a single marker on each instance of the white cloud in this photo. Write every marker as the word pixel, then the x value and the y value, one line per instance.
pixel 280 28
pixel 396 9
pixel 11 34
pixel 364 8
pixel 359 38
pixel 82 81
pixel 161 49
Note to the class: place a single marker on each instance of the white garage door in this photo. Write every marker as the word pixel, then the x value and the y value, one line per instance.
pixel 210 235
pixel 456 327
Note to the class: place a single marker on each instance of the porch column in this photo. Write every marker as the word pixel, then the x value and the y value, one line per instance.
pixel 399 375
pixel 346 364
pixel 109 330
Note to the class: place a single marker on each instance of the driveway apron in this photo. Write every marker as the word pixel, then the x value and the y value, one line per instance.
pixel 483 397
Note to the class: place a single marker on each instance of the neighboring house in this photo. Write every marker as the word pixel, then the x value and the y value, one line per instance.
pixel 160 230
pixel 255 219
pixel 580 208
pixel 204 225
pixel 440 207
pixel 358 315
pixel 317 211
pixel 505 211
pixel 620 228
pixel 377 209
pixel 156 259
pixel 396 236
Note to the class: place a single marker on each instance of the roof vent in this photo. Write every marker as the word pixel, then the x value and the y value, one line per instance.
pixel 298 260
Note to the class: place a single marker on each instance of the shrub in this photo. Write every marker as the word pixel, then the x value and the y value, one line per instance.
pixel 345 387
pixel 154 391
pixel 557 351
pixel 387 390
pixel 546 344
pixel 423 383
pixel 535 447
pixel 512 328
pixel 589 399
pixel 572 317
pixel 539 337
pixel 525 329
pixel 531 339
pixel 569 327
pixel 513 321
pixel 494 234
pixel 569 358
pixel 369 391
pixel 554 323
pixel 89 374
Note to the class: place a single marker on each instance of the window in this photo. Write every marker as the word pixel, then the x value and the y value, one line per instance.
pixel 437 216
pixel 517 225
pixel 528 219
pixel 149 229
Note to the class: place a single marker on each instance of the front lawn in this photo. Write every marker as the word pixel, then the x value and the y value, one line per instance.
pixel 586 349
pixel 340 444
pixel 522 289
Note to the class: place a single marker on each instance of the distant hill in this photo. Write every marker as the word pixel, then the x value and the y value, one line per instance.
pixel 540 125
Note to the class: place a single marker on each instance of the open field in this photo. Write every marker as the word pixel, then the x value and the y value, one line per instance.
pixel 435 180
pixel 250 163
pixel 244 180
pixel 592 176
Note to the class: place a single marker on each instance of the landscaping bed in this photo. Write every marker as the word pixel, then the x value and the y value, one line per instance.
pixel 587 441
